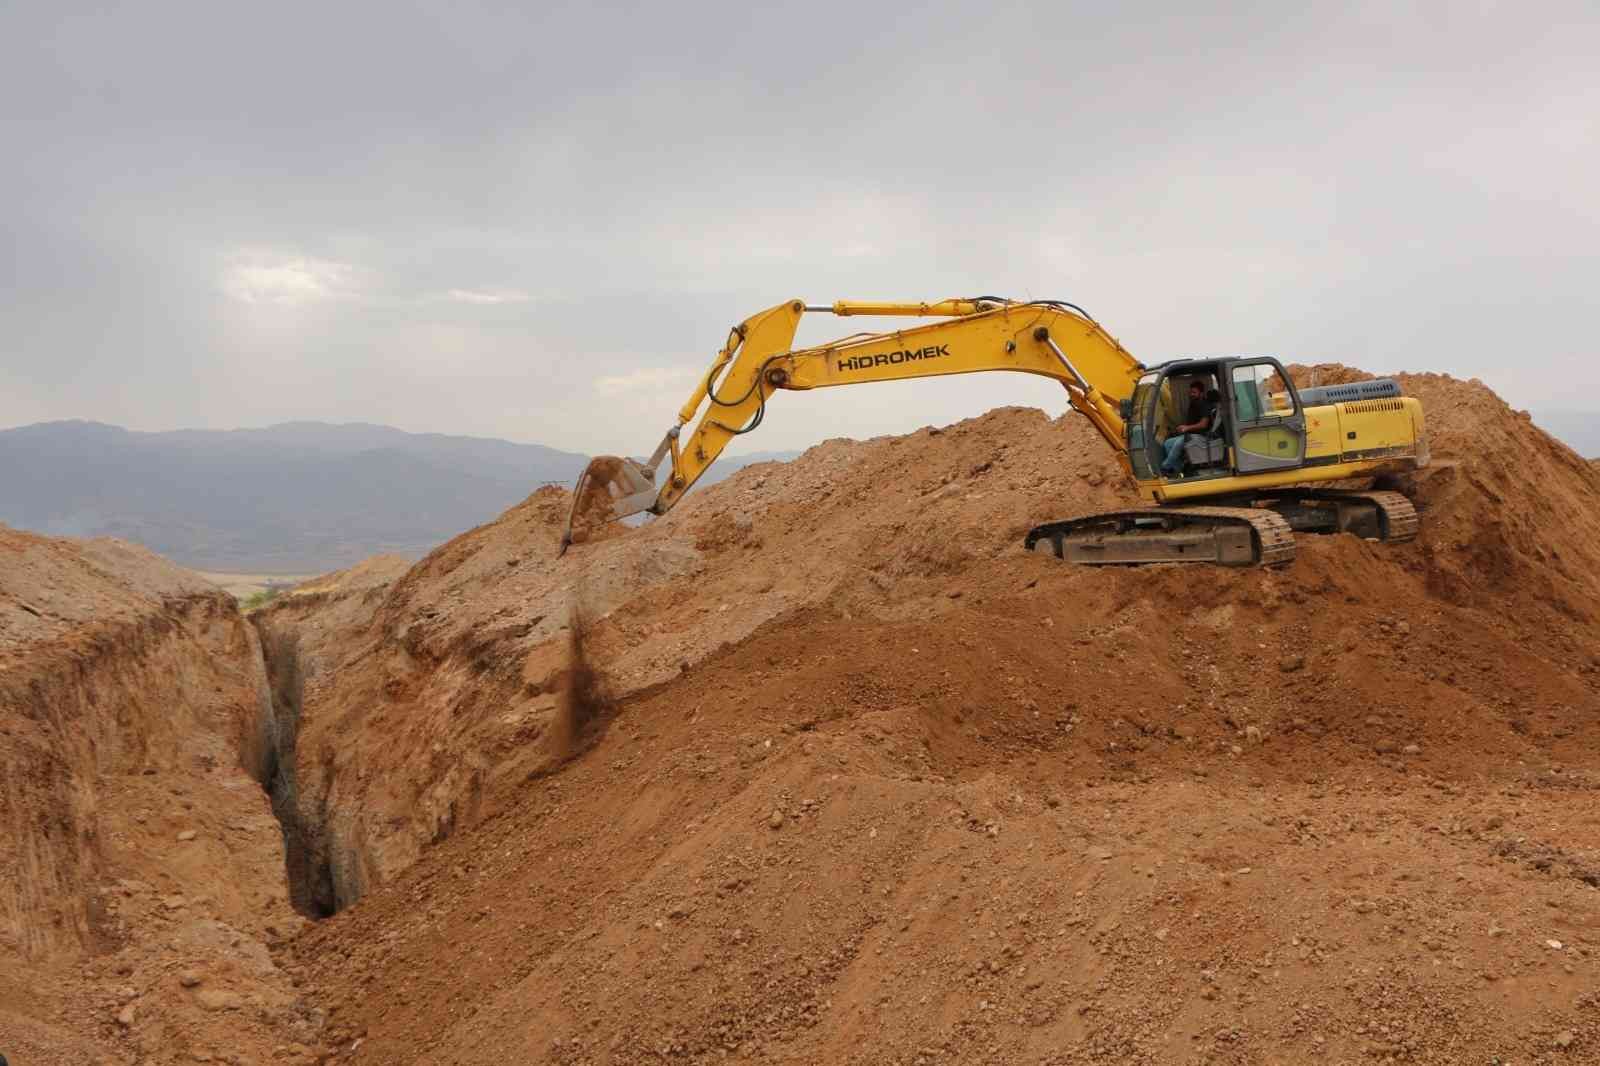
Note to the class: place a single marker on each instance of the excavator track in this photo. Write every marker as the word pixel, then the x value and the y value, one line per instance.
pixel 1227 536
pixel 1385 516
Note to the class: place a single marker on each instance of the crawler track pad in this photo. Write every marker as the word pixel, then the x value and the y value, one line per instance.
pixel 1225 536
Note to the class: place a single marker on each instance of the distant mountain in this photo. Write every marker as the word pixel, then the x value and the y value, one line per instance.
pixel 1578 430
pixel 300 496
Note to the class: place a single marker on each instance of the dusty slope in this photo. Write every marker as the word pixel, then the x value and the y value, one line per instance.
pixel 882 788
pixel 1510 508
pixel 422 718
pixel 136 847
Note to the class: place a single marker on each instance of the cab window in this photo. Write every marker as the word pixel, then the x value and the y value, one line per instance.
pixel 1259 391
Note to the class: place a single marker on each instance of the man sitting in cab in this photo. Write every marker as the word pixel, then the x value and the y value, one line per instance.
pixel 1197 420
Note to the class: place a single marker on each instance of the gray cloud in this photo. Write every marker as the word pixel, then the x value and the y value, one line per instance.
pixel 482 219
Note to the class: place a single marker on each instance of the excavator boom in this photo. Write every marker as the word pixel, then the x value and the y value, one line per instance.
pixel 1049 339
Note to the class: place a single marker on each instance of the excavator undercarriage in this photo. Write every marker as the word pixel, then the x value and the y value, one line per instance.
pixel 1227 536
pixel 1241 535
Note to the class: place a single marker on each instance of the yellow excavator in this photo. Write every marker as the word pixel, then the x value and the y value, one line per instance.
pixel 1231 490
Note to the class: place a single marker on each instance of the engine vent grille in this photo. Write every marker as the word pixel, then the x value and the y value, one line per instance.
pixel 1377 389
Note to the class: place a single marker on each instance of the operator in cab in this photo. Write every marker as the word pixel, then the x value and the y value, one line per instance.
pixel 1196 420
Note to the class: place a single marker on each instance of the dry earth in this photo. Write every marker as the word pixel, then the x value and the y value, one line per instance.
pixel 144 890
pixel 868 784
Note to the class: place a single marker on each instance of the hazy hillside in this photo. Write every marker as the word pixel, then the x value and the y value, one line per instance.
pixel 291 497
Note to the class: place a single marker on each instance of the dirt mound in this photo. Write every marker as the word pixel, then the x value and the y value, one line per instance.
pixel 1042 825
pixel 1506 506
pixel 1319 374
pixel 53 586
pixel 143 893
pixel 376 572
pixel 463 656
pixel 881 787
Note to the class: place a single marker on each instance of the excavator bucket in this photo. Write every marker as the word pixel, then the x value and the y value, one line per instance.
pixel 610 489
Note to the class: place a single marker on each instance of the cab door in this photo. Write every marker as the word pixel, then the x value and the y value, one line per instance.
pixel 1269 425
pixel 1139 428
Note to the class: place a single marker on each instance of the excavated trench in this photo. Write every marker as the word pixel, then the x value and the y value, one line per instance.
pixel 320 884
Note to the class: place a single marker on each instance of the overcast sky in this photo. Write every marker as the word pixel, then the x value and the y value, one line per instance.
pixel 537 221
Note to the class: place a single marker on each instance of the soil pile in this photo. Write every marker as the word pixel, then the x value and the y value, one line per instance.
pixel 827 770
pixel 143 895
pixel 1509 508
pixel 881 787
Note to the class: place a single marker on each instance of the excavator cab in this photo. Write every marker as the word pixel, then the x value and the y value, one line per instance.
pixel 1258 421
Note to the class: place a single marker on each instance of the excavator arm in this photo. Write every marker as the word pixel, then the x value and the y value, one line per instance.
pixel 1047 338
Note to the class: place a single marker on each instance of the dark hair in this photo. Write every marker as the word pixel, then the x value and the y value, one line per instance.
pixel 1192 386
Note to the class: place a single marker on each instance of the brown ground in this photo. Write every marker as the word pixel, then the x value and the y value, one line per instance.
pixel 872 785
pixel 144 893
